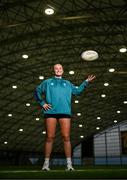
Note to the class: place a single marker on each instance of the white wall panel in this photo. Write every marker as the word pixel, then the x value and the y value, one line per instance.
pixel 107 144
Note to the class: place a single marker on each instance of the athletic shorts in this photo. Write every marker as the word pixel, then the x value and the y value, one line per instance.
pixel 57 116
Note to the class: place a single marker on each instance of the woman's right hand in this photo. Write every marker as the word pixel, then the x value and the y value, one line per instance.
pixel 47 107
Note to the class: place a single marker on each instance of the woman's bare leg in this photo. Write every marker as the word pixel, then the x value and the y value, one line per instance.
pixel 65 124
pixel 50 134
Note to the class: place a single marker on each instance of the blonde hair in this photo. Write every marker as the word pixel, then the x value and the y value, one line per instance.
pixel 57 64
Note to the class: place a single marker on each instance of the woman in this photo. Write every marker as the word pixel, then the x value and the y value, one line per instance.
pixel 57 106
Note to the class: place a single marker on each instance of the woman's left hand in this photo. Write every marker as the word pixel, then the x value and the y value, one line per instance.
pixel 91 78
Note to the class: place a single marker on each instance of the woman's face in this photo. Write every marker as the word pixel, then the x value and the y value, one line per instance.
pixel 58 69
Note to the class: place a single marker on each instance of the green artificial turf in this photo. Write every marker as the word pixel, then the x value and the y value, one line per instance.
pixel 59 172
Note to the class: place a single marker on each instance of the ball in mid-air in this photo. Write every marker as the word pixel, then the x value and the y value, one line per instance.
pixel 89 55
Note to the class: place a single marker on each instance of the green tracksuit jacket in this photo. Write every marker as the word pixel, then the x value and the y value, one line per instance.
pixel 58 92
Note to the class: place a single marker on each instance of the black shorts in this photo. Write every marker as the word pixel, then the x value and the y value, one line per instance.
pixel 57 116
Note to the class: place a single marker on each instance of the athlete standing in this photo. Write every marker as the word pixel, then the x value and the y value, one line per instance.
pixel 57 106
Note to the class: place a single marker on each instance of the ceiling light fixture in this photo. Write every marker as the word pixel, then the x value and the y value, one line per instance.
pixel 44 132
pixel 49 11
pixel 106 84
pixel 76 101
pixel 80 125
pixel 27 104
pixel 41 77
pixel 71 72
pixel 111 70
pixel 123 49
pixel 115 121
pixel 78 114
pixel 81 136
pixel 103 95
pixel 14 87
pixel 98 117
pixel 25 56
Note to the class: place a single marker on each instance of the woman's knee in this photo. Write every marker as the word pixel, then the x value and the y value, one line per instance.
pixel 66 138
pixel 50 138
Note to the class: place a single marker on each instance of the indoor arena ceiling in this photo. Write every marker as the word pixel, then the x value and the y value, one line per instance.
pixel 75 26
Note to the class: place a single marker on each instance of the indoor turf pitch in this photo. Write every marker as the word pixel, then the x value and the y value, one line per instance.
pixel 35 172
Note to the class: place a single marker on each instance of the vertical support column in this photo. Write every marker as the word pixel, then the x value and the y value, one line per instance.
pixel 106 148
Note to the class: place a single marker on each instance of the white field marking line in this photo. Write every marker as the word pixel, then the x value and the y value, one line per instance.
pixel 22 171
pixel 17 171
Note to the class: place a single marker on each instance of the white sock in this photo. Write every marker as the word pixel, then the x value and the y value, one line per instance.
pixel 46 162
pixel 69 162
pixel 46 159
